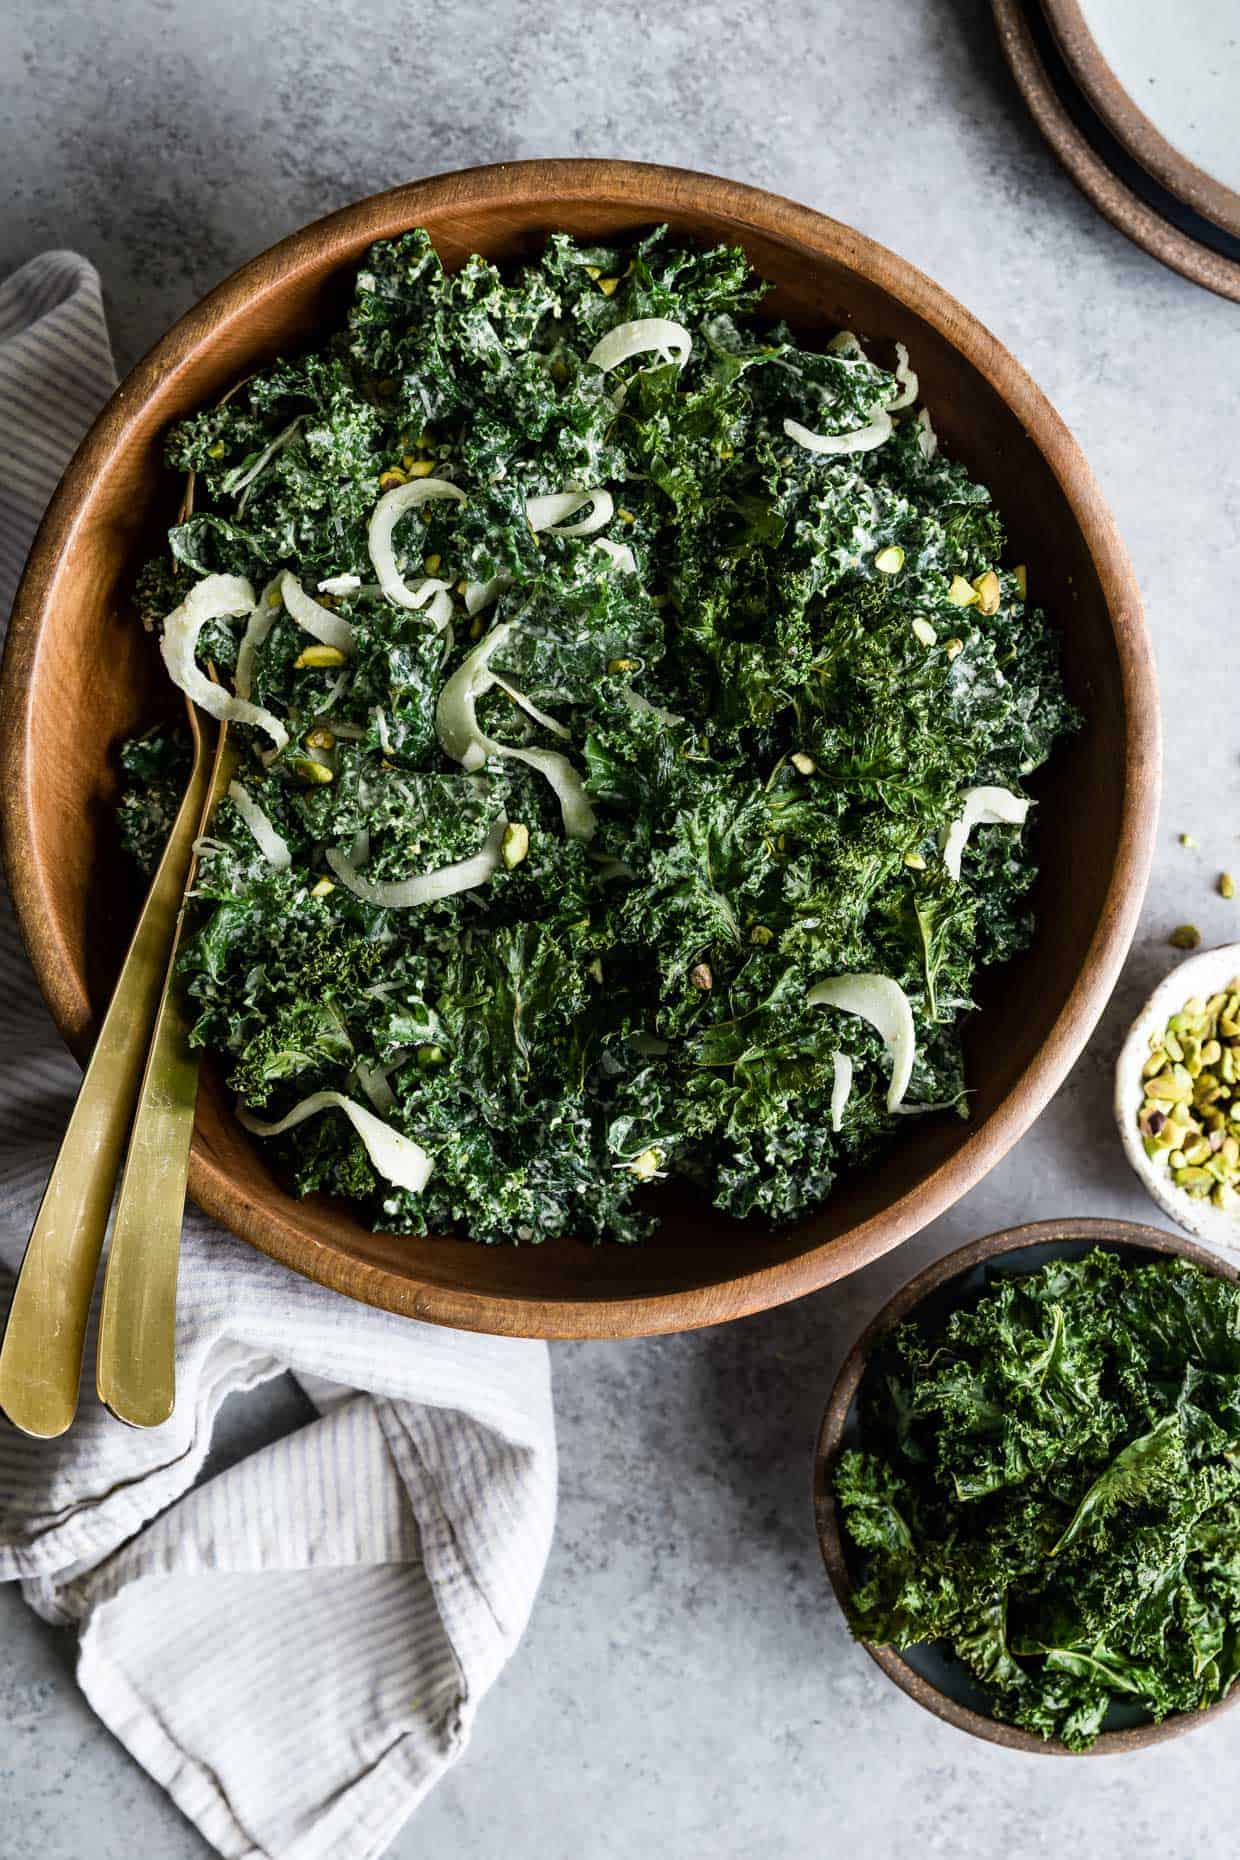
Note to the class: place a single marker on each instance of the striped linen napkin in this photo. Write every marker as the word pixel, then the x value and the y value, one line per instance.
pixel 294 1649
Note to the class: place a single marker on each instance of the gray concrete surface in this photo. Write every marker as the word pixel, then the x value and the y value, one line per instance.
pixel 687 1688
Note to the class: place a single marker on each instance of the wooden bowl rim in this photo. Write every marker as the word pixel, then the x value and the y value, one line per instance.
pixel 900 1305
pixel 1129 214
pixel 660 190
pixel 1127 121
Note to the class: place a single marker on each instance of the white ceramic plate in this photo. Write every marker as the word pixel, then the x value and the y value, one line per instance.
pixel 1203 974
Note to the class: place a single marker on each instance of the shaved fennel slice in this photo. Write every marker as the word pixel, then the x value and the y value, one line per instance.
pixel 313 618
pixel 846 344
pixel 456 719
pixel 861 439
pixel 639 337
pixel 340 584
pixel 983 807
pixel 885 1005
pixel 841 1087
pixel 383 520
pixel 575 808
pixel 531 709
pixel 397 1158
pixel 927 438
pixel 551 513
pixel 272 845
pixel 373 1081
pixel 239 486
pixel 215 597
pixel 462 738
pixel 427 887
pixel 480 594
pixel 257 627
pixel 909 384
pixel 620 554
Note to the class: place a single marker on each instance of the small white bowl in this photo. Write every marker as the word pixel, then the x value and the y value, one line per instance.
pixel 1203 974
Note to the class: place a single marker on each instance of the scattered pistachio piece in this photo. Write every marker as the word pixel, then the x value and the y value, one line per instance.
pixel 1226 885
pixel 316 773
pixel 421 468
pixel 761 935
pixel 608 286
pixel 962 593
pixel 515 844
pixel 923 631
pixel 889 561
pixel 915 861
pixel 317 658
pixel 616 666
pixel 1185 936
pixel 989 593
pixel 217 450
pixel 388 480
pixel 647 1164
pixel 803 764
pixel 323 889
pixel 701 977
pixel 1020 575
pixel 320 738
pixel 954 648
pixel 431 564
pixel 1186 839
pixel 429 1056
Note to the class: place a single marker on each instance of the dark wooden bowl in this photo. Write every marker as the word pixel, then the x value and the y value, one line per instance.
pixel 1067 1237
pixel 79 675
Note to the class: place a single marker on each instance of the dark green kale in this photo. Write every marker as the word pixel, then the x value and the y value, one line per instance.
pixel 1050 1484
pixel 774 735
pixel 154 770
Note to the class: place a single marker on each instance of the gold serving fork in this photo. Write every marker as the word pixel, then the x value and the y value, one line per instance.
pixel 142 1071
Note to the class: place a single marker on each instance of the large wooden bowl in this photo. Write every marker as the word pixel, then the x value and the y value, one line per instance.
pixel 923 1673
pixel 79 675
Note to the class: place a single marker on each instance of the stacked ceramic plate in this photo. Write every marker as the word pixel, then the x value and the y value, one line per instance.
pixel 1139 102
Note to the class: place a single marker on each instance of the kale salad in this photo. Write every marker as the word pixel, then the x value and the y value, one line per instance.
pixel 635 713
pixel 1049 1482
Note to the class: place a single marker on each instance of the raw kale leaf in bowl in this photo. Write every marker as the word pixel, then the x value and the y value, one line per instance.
pixel 637 716
pixel 1046 1483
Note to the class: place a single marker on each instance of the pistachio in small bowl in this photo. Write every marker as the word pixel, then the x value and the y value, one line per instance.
pixel 1177 1095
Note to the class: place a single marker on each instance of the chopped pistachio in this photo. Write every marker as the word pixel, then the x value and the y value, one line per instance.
pixel 915 861
pixel 323 889
pixel 320 738
pixel 515 844
pixel 1226 885
pixel 923 630
pixel 421 468
pixel 989 592
pixel 761 935
pixel 388 480
pixel 889 561
pixel 701 977
pixel 1185 936
pixel 1020 575
pixel 217 450
pixel 1186 839
pixel 429 1056
pixel 616 666
pixel 647 1164
pixel 803 764
pixel 1190 1107
pixel 962 593
pixel 317 658
pixel 431 564
pixel 608 286
pixel 316 773
pixel 954 648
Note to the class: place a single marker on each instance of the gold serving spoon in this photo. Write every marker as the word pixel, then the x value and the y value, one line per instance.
pixel 41 1353
pixel 136 1360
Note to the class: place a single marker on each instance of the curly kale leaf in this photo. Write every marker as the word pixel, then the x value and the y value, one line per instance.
pixel 1049 1483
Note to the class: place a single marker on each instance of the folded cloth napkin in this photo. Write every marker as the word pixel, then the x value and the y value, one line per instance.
pixel 296 1647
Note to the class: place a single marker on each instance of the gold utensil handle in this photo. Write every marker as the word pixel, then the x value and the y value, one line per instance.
pixel 136 1363
pixel 41 1354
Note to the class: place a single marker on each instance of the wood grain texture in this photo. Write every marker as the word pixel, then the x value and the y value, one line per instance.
pixel 1116 202
pixel 79 674
pixel 1125 1234
pixel 1129 124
